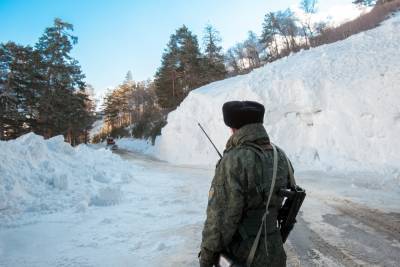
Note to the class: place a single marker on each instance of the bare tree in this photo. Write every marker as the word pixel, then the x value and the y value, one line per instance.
pixel 309 7
pixel 252 50
pixel 240 55
pixel 285 23
pixel 232 62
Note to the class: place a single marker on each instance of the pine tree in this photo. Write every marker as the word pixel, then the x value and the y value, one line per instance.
pixel 181 69
pixel 128 77
pixel 268 36
pixel 81 118
pixel 20 88
pixel 114 106
pixel 63 80
pixel 133 105
pixel 214 58
pixel 41 89
pixel 9 116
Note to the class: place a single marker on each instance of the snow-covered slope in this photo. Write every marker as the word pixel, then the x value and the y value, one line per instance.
pixel 335 107
pixel 48 175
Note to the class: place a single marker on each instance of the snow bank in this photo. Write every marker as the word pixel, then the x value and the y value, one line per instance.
pixel 334 108
pixel 136 145
pixel 48 175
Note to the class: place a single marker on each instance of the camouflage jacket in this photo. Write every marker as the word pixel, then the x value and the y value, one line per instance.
pixel 237 201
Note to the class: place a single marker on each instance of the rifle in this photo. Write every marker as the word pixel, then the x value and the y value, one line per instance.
pixel 294 198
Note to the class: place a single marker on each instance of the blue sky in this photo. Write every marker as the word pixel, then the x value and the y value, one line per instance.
pixel 121 35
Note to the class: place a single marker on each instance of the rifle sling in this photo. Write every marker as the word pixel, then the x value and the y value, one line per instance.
pixel 254 247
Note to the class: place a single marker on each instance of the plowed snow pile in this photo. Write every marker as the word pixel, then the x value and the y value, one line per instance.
pixel 47 175
pixel 332 108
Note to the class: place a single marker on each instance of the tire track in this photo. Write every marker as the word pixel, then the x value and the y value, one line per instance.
pixel 385 223
pixel 311 249
pixel 360 236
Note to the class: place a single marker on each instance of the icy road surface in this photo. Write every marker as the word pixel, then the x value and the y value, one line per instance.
pixel 159 223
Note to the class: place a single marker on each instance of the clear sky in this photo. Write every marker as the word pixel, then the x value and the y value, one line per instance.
pixel 121 35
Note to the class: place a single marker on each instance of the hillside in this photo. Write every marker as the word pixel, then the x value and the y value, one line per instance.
pixel 332 108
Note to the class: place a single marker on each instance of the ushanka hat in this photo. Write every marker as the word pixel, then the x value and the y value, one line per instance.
pixel 239 113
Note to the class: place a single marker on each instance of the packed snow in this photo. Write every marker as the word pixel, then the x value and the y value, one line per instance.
pixel 333 108
pixel 46 176
pixel 85 206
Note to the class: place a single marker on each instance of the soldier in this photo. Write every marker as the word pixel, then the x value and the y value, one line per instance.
pixel 240 190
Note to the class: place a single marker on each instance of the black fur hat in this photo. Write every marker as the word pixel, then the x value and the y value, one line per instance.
pixel 239 113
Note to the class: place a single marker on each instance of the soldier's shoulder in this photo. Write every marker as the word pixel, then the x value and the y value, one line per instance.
pixel 281 152
pixel 238 155
pixel 239 151
pixel 279 149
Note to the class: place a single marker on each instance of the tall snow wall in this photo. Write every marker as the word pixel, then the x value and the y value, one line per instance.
pixel 335 107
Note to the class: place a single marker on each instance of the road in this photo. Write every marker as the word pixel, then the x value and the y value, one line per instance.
pixel 159 219
pixel 331 231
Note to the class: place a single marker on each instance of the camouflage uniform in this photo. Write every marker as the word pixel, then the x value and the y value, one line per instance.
pixel 237 201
